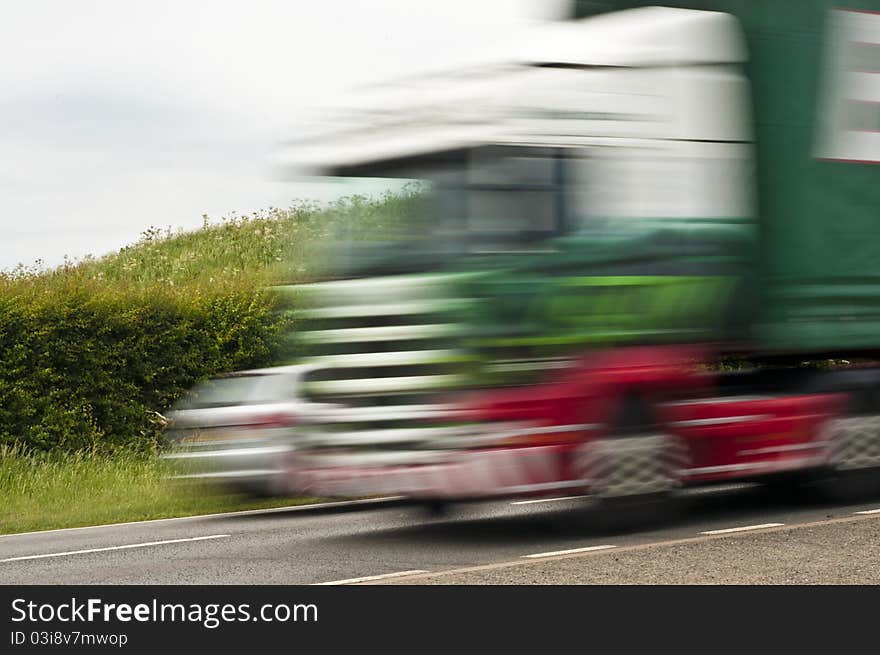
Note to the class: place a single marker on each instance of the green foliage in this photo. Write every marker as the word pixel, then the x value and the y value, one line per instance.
pixel 47 490
pixel 93 351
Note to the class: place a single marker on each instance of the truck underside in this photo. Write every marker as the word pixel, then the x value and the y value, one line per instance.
pixel 623 423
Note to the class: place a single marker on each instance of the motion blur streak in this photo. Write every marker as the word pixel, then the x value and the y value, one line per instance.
pixel 583 231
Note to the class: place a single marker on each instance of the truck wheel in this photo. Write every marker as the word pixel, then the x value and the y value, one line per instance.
pixel 853 470
pixel 634 473
pixel 633 478
pixel 623 467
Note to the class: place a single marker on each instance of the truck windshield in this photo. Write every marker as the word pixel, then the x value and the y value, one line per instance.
pixel 481 200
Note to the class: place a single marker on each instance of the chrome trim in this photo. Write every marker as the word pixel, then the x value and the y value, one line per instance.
pixel 721 420
pixel 399 358
pixel 716 399
pixel 230 452
pixel 388 436
pixel 344 414
pixel 767 467
pixel 388 333
pixel 387 309
pixel 390 384
pixel 786 448
pixel 378 459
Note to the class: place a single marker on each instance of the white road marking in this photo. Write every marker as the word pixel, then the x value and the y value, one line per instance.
pixel 744 528
pixel 868 511
pixel 125 547
pixel 638 547
pixel 369 578
pixel 544 500
pixel 570 551
pixel 241 512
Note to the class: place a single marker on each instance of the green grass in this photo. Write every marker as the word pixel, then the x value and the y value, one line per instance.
pixel 44 490
pixel 272 246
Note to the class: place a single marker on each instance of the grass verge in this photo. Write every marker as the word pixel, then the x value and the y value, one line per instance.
pixel 48 490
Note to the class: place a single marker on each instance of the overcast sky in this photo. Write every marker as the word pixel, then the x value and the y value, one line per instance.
pixel 119 115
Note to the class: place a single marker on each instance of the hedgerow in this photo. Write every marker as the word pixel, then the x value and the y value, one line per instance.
pixel 92 352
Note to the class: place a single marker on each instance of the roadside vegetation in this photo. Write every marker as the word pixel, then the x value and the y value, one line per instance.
pixel 46 490
pixel 94 351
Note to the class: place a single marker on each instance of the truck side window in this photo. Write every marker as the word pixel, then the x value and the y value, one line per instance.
pixel 580 196
pixel 513 197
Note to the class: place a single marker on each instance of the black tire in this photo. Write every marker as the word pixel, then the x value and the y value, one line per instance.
pixel 853 469
pixel 634 475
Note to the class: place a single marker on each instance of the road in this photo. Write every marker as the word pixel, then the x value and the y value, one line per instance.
pixel 732 535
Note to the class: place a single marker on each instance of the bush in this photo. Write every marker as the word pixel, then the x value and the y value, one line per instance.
pixel 92 352
pixel 90 365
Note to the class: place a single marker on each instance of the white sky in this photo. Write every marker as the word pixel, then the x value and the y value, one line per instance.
pixel 117 116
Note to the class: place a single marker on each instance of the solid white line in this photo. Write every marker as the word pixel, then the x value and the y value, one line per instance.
pixel 544 500
pixel 868 511
pixel 570 550
pixel 241 512
pixel 744 528
pixel 370 578
pixel 125 547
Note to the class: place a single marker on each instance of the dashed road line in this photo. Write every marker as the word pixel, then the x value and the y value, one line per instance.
pixel 631 548
pixel 744 528
pixel 370 578
pixel 586 549
pixel 868 511
pixel 107 548
pixel 305 507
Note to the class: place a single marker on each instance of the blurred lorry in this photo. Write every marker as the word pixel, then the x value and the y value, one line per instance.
pixel 606 217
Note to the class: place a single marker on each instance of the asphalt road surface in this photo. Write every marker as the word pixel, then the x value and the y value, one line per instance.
pixel 727 535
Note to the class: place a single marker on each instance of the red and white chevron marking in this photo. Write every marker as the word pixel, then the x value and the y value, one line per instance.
pixel 854 443
pixel 629 466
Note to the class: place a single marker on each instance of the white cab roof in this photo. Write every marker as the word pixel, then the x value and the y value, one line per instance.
pixel 470 106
